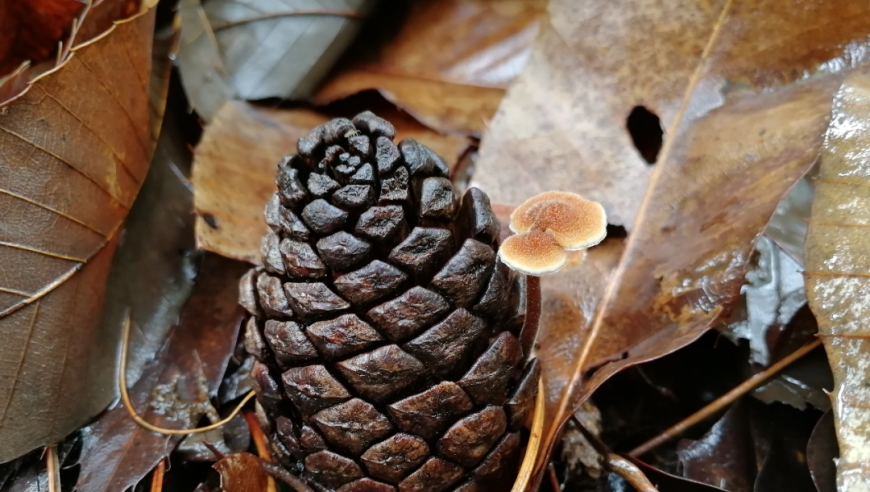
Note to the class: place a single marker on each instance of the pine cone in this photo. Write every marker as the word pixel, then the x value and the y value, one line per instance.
pixel 388 337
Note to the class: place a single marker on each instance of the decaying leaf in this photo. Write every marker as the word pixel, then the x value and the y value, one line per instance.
pixel 31 30
pixel 76 148
pixel 234 169
pixel 241 472
pixel 257 49
pixel 741 130
pixel 724 456
pixel 563 124
pixel 685 263
pixel 449 64
pixel 822 454
pixel 774 291
pixel 836 269
pixel 174 391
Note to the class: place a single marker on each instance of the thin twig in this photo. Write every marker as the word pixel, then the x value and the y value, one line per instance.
pixel 723 401
pixel 262 449
pixel 630 472
pixel 53 466
pixel 293 13
pixel 614 462
pixel 125 398
pixel 285 476
pixel 157 478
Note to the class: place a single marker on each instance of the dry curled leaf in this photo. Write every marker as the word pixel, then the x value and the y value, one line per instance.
pixel 76 148
pixel 234 170
pixel 449 64
pixel 563 123
pixel 257 49
pixel 174 390
pixel 836 270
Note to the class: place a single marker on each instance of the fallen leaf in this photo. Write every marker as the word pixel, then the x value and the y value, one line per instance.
pixel 245 49
pixel 449 63
pixel 672 483
pixel 174 391
pixel 774 292
pixel 805 382
pixel 685 263
pixel 741 129
pixel 724 456
pixel 822 453
pixel 784 467
pixel 241 472
pixel 154 268
pixel 33 474
pixel 563 123
pixel 836 270
pixel 235 164
pixel 76 148
pixel 788 226
pixel 32 29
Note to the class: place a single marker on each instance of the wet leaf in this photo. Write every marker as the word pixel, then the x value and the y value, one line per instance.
pixel 175 389
pixel 449 63
pixel 76 148
pixel 788 226
pixel 805 382
pixel 724 456
pixel 564 123
pixel 666 482
pixel 784 466
pixel 245 49
pixel 739 133
pixel 241 472
pixel 234 169
pixel 822 453
pixel 836 269
pixel 684 265
pixel 774 291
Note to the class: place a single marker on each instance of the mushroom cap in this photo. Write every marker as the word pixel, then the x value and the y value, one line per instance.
pixel 575 223
pixel 535 253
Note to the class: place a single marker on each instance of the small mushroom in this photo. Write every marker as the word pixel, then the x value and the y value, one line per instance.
pixel 574 222
pixel 534 253
pixel 547 226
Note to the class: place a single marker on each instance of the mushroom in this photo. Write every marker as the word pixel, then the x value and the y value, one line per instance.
pixel 547 226
pixel 574 222
pixel 534 253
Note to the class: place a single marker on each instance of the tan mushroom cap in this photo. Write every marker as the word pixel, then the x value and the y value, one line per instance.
pixel 534 253
pixel 575 223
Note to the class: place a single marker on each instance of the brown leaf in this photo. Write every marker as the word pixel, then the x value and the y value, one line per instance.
pixel 822 453
pixel 836 270
pixel 174 390
pixel 684 264
pixel 241 472
pixel 563 123
pixel 729 157
pixel 76 147
pixel 450 62
pixel 30 30
pixel 234 169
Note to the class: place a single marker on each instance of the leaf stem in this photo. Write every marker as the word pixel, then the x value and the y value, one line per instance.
pixel 128 405
pixel 724 400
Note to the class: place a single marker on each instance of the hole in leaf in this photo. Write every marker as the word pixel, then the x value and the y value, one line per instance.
pixel 616 232
pixel 646 132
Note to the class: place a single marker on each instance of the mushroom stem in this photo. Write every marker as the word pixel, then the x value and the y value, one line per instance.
pixel 533 310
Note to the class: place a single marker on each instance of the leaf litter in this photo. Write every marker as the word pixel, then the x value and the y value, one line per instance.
pixel 741 120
